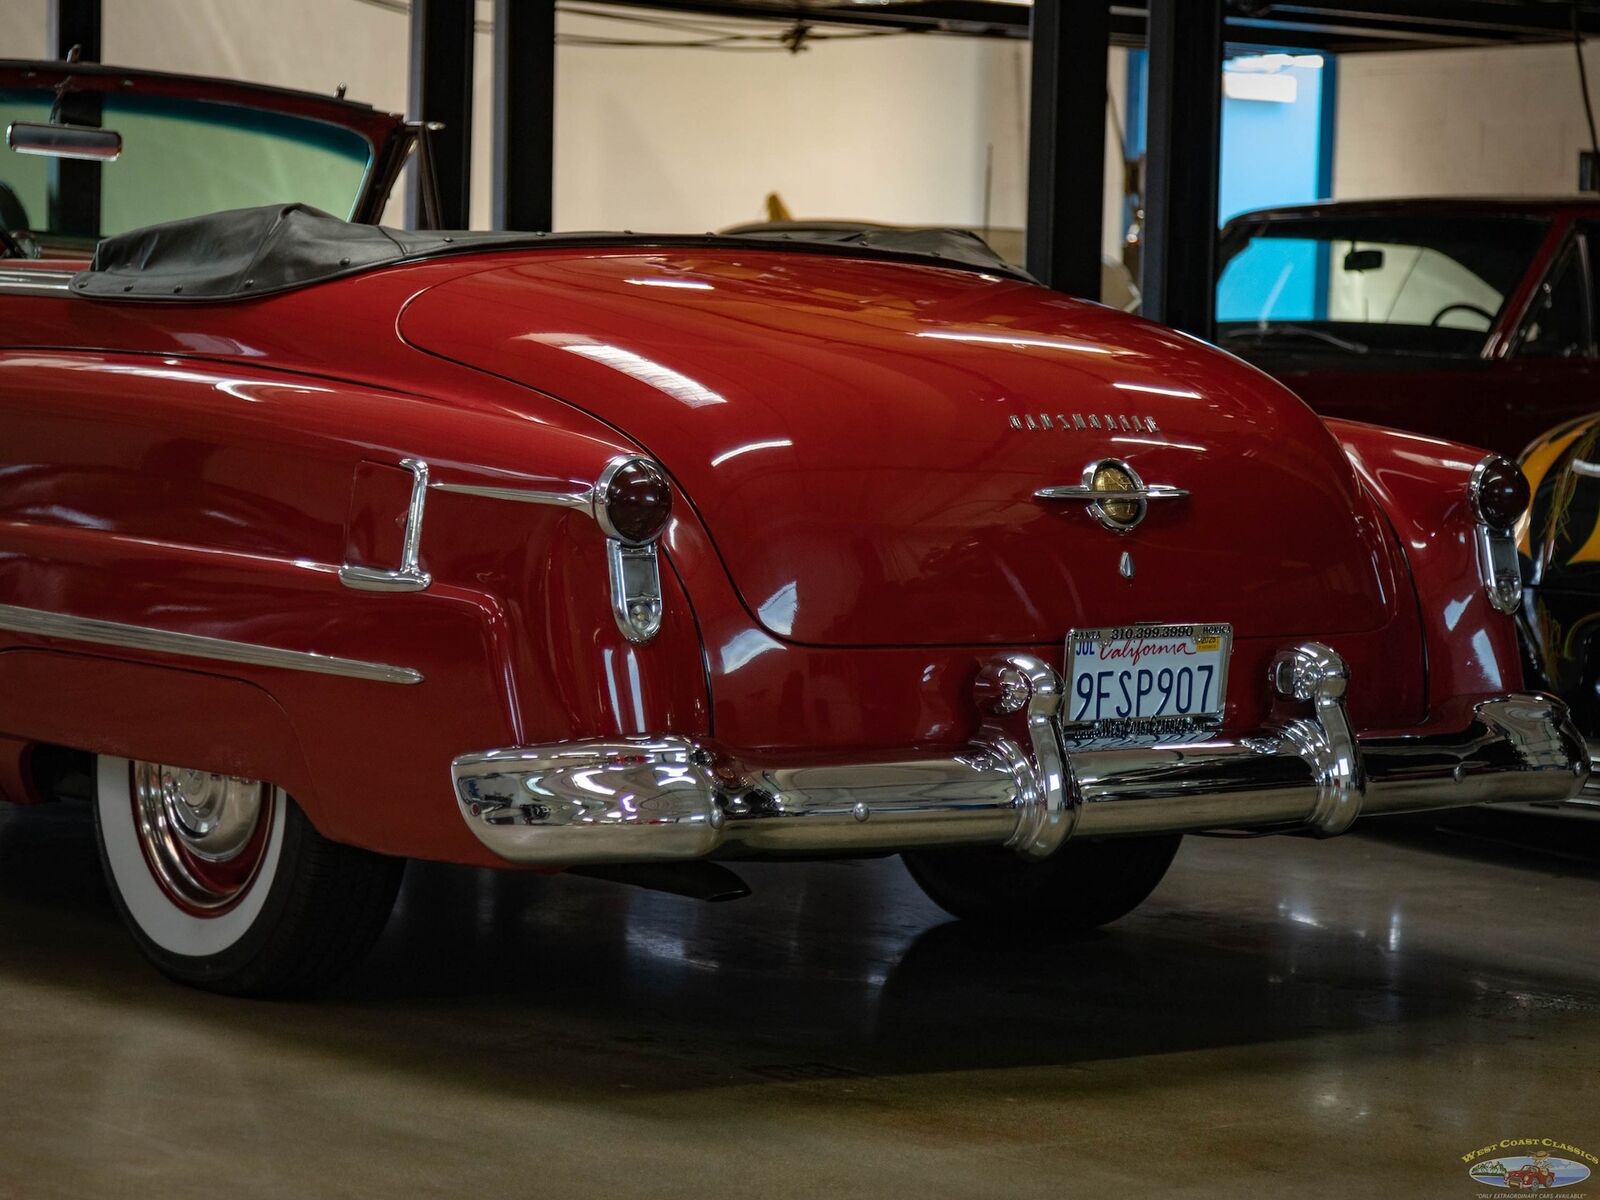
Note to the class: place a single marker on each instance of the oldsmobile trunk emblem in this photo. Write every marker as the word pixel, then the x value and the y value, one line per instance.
pixel 1071 422
pixel 1115 494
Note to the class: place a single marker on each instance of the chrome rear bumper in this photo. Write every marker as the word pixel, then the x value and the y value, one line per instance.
pixel 1021 784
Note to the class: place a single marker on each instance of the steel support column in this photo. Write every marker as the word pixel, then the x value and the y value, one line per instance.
pixel 1183 148
pixel 75 23
pixel 440 90
pixel 524 114
pixel 72 187
pixel 1066 142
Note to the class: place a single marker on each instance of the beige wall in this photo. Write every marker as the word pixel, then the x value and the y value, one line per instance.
pixel 895 129
pixel 1459 122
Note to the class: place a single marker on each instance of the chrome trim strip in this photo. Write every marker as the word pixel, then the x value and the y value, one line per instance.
pixel 643 799
pixel 410 577
pixel 194 645
pixel 28 283
pixel 581 500
pixel 1153 491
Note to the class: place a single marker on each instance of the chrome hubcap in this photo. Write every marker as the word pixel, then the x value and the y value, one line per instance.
pixel 202 834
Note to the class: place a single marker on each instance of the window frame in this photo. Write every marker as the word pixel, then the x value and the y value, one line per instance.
pixel 1574 247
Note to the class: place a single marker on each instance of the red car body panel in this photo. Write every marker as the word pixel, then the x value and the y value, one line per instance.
pixel 1421 484
pixel 845 432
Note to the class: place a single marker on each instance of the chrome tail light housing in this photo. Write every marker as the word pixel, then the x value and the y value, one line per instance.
pixel 632 502
pixel 1499 493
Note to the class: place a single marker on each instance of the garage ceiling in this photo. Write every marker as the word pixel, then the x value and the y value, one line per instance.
pixel 1340 26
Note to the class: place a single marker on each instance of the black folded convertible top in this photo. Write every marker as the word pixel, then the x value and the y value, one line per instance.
pixel 249 252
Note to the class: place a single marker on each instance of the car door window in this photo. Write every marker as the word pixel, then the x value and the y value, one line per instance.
pixel 1559 323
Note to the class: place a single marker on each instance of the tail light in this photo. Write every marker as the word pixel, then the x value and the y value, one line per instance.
pixel 1499 492
pixel 632 505
pixel 633 500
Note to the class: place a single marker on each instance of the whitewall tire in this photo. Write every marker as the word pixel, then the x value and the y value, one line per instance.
pixel 224 883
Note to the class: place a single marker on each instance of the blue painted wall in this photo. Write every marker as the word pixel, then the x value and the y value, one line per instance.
pixel 1272 153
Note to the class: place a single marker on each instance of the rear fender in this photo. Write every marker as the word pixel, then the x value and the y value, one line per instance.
pixel 162 714
pixel 221 502
pixel 1420 483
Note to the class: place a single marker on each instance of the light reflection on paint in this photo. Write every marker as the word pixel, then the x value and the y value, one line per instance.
pixel 636 366
pixel 1158 390
pixel 609 657
pixel 683 284
pixel 239 389
pixel 1482 647
pixel 774 444
pixel 1014 339
pixel 1163 443
pixel 637 686
pixel 744 647
pixel 777 613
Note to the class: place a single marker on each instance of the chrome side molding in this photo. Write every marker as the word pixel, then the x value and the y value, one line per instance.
pixel 193 645
pixel 583 500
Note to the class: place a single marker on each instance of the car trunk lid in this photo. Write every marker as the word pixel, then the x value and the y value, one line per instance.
pixel 864 442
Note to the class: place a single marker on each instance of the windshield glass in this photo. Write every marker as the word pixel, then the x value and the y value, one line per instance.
pixel 180 158
pixel 1426 284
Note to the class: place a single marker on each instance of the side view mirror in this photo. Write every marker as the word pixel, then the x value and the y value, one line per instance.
pixel 64 141
pixel 1364 260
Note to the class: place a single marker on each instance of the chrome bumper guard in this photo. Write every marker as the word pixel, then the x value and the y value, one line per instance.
pixel 1021 784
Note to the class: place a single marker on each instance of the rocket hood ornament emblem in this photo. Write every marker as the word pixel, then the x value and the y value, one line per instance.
pixel 1115 494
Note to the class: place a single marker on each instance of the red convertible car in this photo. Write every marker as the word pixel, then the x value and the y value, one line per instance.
pixel 1469 319
pixel 324 545
pixel 1534 1175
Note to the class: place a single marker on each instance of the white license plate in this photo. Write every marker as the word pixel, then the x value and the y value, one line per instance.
pixel 1138 680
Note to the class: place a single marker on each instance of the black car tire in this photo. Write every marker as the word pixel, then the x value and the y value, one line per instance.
pixel 1081 887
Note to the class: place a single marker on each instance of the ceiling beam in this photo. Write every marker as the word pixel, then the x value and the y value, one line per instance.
pixel 1341 26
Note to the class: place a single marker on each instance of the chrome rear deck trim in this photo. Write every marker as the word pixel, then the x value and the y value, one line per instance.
pixel 25 282
pixel 583 499
pixel 194 645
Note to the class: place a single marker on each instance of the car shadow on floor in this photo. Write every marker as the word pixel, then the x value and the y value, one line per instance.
pixel 518 981
pixel 1557 842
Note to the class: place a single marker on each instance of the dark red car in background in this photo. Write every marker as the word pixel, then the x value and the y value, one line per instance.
pixel 1472 320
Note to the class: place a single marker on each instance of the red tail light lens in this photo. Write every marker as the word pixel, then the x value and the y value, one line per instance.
pixel 633 501
pixel 1499 492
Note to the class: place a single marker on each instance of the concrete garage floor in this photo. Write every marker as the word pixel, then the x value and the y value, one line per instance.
pixel 1284 1018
